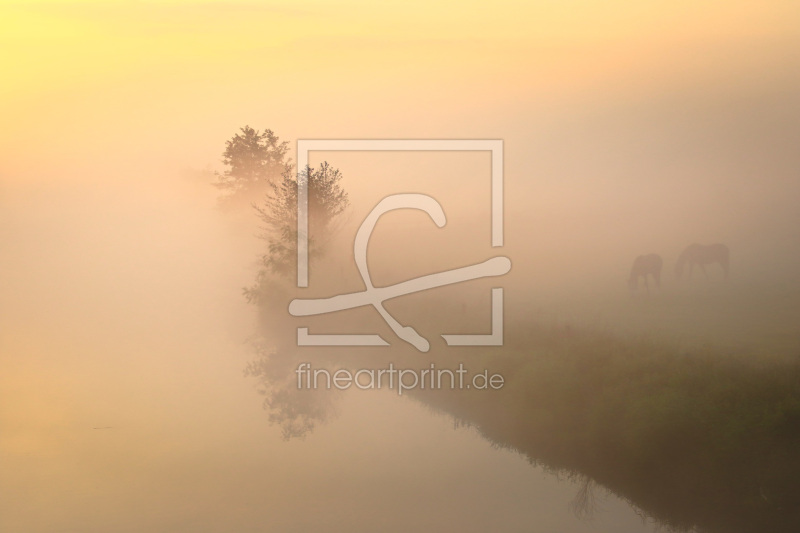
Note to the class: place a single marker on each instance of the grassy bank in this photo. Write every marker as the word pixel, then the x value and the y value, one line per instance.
pixel 698 438
pixel 699 435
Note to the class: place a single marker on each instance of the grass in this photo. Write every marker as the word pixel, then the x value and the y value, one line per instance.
pixel 701 438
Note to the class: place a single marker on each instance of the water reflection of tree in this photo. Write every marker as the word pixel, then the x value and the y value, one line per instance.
pixel 584 504
pixel 297 411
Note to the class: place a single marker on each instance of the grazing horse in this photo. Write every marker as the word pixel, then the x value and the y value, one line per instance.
pixel 643 266
pixel 702 255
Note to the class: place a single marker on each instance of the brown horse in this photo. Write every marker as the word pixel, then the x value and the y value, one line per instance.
pixel 702 255
pixel 643 266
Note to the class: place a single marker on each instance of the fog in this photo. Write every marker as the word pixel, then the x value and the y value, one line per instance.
pixel 124 333
pixel 124 405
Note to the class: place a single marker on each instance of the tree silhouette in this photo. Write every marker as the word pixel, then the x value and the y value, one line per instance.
pixel 254 159
pixel 326 202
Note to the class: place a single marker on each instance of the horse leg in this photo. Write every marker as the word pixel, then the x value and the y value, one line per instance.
pixel 646 285
pixel 702 266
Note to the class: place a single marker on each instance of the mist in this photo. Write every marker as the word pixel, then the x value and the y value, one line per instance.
pixel 140 390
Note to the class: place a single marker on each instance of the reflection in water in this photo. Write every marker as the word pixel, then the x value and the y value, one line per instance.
pixel 296 411
pixel 584 505
pixel 695 437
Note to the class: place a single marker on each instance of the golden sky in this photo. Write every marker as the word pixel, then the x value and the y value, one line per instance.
pixel 151 72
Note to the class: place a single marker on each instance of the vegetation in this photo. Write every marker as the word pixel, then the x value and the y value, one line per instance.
pixel 259 175
pixel 702 439
pixel 326 201
pixel 254 160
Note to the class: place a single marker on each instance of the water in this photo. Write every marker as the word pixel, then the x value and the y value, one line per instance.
pixel 93 451
pixel 123 404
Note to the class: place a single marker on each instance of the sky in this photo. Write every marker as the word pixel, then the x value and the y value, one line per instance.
pixel 86 82
pixel 629 127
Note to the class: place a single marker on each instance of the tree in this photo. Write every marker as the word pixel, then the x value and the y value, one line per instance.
pixel 254 160
pixel 296 411
pixel 326 202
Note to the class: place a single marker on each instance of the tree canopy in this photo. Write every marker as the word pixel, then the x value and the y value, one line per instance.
pixel 254 159
pixel 326 201
pixel 260 174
